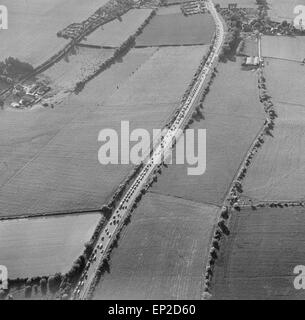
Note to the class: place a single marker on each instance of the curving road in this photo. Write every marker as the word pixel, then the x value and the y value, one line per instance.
pixel 117 219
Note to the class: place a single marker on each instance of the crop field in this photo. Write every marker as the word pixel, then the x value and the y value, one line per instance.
pixel 258 258
pixel 282 77
pixel 281 10
pixel 44 246
pixel 176 29
pixel 227 115
pixel 162 253
pixel 287 48
pixel 162 79
pixel 67 72
pixel 277 173
pixel 33 24
pixel 63 164
pixel 114 33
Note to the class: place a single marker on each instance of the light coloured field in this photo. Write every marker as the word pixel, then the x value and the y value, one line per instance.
pixel 162 79
pixel 176 29
pixel 144 89
pixel 162 253
pixel 284 80
pixel 67 72
pixel 281 10
pixel 278 170
pixel 33 24
pixel 114 33
pixel 290 48
pixel 232 120
pixel 258 259
pixel 44 246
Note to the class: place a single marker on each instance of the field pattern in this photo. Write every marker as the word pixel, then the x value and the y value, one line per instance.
pixel 162 252
pixel 281 10
pixel 44 246
pixel 258 259
pixel 226 115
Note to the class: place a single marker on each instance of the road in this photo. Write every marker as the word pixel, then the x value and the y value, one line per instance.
pixel 152 164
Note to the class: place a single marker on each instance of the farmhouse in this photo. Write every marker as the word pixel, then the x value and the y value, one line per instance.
pixel 251 62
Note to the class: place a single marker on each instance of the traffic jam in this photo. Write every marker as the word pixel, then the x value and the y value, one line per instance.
pixel 153 164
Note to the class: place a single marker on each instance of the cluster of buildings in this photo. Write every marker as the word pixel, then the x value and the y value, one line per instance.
pixel 193 7
pixel 29 95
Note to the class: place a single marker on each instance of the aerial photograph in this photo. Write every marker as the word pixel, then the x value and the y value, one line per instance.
pixel 152 150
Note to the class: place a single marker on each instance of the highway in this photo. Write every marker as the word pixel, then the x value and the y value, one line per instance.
pixel 109 232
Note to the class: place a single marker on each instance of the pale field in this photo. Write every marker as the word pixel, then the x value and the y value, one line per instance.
pixel 281 10
pixel 290 48
pixel 33 24
pixel 162 79
pixel 114 33
pixel 277 172
pixel 162 253
pixel 176 29
pixel 284 79
pixel 65 74
pixel 44 246
pixel 62 172
pixel 258 258
pixel 232 121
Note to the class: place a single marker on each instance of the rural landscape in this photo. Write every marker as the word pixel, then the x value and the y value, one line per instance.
pixel 75 228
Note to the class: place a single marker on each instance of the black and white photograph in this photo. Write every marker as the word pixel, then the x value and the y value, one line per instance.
pixel 152 150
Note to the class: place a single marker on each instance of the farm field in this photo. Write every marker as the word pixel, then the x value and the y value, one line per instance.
pixel 24 134
pixel 282 78
pixel 176 29
pixel 227 115
pixel 114 33
pixel 162 79
pixel 278 169
pixel 65 74
pixel 281 47
pixel 64 166
pixel 162 253
pixel 281 10
pixel 250 47
pixel 258 258
pixel 44 246
pixel 33 24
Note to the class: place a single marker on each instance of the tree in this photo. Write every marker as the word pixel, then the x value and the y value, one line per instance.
pixel 43 285
pixel 28 291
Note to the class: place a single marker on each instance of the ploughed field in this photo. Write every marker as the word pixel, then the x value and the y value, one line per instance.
pixel 227 114
pixel 171 28
pixel 258 258
pixel 162 253
pixel 44 246
pixel 61 162
pixel 33 24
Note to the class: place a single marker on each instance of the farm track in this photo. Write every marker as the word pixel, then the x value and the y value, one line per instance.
pixel 106 238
